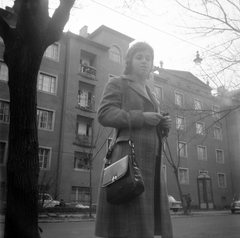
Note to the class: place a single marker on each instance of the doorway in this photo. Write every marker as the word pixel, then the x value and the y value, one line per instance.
pixel 205 193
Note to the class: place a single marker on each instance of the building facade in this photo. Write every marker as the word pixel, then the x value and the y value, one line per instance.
pixel 198 140
pixel 72 144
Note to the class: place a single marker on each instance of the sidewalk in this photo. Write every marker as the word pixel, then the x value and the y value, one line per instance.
pixel 52 217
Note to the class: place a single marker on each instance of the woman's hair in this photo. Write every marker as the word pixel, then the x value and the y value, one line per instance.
pixel 139 46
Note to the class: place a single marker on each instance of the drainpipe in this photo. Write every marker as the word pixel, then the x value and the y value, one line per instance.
pixel 62 123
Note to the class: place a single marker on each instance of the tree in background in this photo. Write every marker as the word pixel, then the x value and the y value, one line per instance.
pixel 219 22
pixel 25 45
pixel 192 127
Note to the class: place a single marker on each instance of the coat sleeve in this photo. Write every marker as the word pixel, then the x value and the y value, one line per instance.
pixel 110 112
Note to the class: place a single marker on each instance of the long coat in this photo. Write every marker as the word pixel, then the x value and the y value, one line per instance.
pixel 148 214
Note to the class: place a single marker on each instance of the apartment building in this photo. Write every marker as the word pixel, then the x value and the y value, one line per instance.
pixel 70 83
pixel 198 140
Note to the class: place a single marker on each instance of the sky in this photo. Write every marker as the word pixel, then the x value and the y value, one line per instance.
pixel 156 22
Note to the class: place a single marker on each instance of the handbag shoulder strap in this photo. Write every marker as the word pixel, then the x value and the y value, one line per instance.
pixel 113 142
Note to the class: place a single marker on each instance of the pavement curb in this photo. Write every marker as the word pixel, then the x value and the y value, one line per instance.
pixel 57 218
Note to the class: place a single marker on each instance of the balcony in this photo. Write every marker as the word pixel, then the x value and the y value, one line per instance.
pixel 83 140
pixel 88 71
pixel 86 105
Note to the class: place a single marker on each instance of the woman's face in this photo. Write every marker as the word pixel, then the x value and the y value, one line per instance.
pixel 142 64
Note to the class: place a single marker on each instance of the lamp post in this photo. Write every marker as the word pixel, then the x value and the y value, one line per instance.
pixel 197 60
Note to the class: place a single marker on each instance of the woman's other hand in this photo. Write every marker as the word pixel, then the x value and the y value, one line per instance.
pixel 152 118
pixel 166 122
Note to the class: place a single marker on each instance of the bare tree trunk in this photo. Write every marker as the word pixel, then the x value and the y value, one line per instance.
pixel 22 174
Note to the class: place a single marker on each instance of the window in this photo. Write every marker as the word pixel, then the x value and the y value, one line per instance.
pixel 202 152
pixel 183 176
pixel 179 99
pixel 87 62
pixel 180 123
pixel 47 83
pixel 52 52
pixel 3 71
pixel 198 105
pixel 85 99
pixel 182 149
pixel 215 111
pixel 3 152
pixel 217 131
pixel 220 157
pixel 80 195
pixel 84 131
pixel 84 128
pixel 45 119
pixel 159 92
pixel 4 111
pixel 222 180
pixel 200 128
pixel 115 54
pixel 44 155
pixel 81 161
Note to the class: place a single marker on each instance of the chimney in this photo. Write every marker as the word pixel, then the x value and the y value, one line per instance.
pixel 84 31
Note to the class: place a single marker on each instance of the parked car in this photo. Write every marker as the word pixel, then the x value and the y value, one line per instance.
pixel 82 206
pixel 46 200
pixel 235 205
pixel 174 205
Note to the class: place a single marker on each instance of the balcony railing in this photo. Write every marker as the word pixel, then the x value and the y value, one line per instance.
pixel 86 104
pixel 88 71
pixel 84 140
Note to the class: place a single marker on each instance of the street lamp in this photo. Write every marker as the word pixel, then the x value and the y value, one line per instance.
pixel 197 60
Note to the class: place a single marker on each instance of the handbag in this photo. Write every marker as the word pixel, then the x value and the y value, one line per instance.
pixel 122 179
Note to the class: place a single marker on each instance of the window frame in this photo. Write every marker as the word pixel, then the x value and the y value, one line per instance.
pixel 76 195
pixel 112 54
pixel 175 99
pixel 216 113
pixel 187 172
pixel 156 87
pixel 58 52
pixel 8 116
pixel 49 158
pixel 223 159
pixel 183 125
pixel 179 150
pixel 50 76
pixel 205 149
pixel 75 168
pixel 203 128
pixel 225 180
pixel 214 133
pixel 201 103
pixel 53 119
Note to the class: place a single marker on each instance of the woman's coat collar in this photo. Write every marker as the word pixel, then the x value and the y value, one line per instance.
pixel 136 87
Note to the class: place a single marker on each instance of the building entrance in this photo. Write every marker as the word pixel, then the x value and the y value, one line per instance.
pixel 205 194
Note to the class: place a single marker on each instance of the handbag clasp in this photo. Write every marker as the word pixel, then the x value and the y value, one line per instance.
pixel 114 178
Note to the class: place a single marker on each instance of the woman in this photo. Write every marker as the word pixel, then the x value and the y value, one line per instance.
pixel 129 97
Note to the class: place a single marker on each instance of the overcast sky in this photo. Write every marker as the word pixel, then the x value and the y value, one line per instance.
pixel 156 22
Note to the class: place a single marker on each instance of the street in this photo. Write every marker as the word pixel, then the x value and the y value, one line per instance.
pixel 210 226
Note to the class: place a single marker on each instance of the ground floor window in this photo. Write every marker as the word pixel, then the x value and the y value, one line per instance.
pixel 80 195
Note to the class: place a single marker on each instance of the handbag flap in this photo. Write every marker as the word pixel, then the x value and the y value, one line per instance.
pixel 115 171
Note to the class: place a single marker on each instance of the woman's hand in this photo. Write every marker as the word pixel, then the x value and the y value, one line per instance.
pixel 152 118
pixel 166 122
